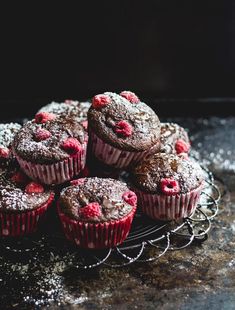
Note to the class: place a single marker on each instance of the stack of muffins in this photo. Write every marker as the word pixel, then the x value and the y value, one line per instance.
pixel 50 154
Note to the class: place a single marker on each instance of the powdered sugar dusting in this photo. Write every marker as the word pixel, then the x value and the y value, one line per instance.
pixel 49 150
pixel 214 146
pixel 38 282
pixel 7 133
pixel 14 198
pixel 73 108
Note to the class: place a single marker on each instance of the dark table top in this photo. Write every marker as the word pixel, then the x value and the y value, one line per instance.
pixel 201 276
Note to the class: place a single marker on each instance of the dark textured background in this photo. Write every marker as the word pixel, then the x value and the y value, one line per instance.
pixel 171 53
pixel 160 49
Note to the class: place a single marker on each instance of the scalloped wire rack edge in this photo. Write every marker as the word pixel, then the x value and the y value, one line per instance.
pixel 154 237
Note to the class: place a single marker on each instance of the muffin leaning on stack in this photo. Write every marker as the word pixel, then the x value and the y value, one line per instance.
pixel 122 129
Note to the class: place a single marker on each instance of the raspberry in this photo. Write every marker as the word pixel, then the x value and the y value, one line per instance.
pixel 19 178
pixel 42 134
pixel 77 181
pixel 130 197
pixel 90 210
pixel 181 146
pixel 123 128
pixel 130 96
pixel 100 101
pixel 71 145
pixel 34 187
pixel 85 124
pixel 169 186
pixel 43 117
pixel 4 152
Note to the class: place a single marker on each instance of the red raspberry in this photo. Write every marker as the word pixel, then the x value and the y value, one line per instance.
pixel 123 128
pixel 85 124
pixel 100 101
pixel 77 181
pixel 130 96
pixel 19 178
pixel 4 152
pixel 90 210
pixel 169 186
pixel 130 197
pixel 34 187
pixel 43 117
pixel 72 146
pixel 42 134
pixel 181 146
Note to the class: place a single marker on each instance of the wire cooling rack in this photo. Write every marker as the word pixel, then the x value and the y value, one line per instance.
pixel 148 240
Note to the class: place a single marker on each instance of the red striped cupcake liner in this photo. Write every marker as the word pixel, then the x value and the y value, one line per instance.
pixel 56 173
pixel 96 235
pixel 166 208
pixel 14 224
pixel 115 157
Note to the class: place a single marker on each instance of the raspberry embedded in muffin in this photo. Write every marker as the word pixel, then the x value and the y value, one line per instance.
pixel 100 101
pixel 130 96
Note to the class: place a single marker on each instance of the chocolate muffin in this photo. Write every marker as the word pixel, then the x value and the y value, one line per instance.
pixel 97 213
pixel 174 139
pixel 22 203
pixel 122 129
pixel 168 186
pixel 71 108
pixel 7 133
pixel 51 149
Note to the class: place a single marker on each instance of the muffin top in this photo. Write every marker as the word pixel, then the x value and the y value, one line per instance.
pixel 7 133
pixel 70 108
pixel 19 193
pixel 124 121
pixel 97 200
pixel 48 139
pixel 174 139
pixel 162 172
